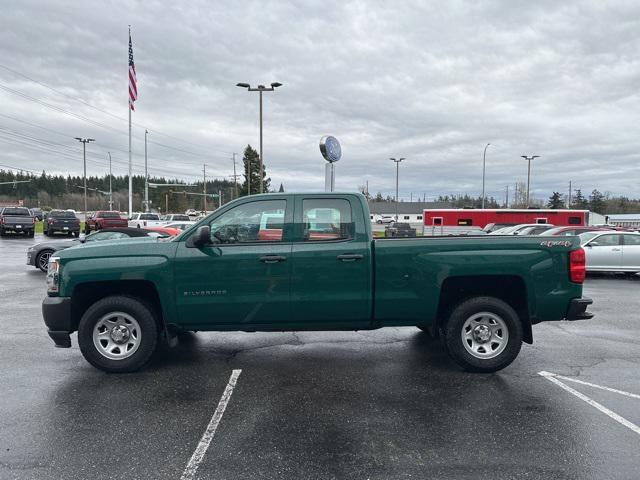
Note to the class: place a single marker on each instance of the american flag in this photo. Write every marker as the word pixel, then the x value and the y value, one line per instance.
pixel 133 87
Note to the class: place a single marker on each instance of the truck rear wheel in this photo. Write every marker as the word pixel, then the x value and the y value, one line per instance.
pixel 118 334
pixel 483 334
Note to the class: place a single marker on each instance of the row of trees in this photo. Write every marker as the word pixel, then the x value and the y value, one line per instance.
pixel 603 203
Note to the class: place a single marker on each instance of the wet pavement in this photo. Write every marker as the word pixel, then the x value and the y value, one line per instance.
pixel 382 404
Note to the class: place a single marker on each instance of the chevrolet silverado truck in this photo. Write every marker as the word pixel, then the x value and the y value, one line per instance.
pixel 284 262
pixel 17 220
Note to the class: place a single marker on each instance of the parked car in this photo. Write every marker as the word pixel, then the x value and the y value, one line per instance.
pixel 492 227
pixel 180 225
pixel 611 251
pixel 397 229
pixel 192 212
pixel 104 219
pixel 535 229
pixel 175 217
pixel 61 221
pixel 569 231
pixel 17 220
pixel 482 293
pixel 38 213
pixel 164 230
pixel 140 220
pixel 516 229
pixel 38 255
pixel 380 219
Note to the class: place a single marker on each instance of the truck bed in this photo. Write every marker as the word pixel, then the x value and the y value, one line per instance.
pixel 411 273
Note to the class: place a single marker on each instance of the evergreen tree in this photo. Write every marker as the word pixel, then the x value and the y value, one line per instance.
pixel 555 201
pixel 596 201
pixel 251 161
pixel 579 202
pixel 281 189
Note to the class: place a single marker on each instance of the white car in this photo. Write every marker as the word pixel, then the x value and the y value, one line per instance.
pixel 175 217
pixel 611 251
pixel 141 220
pixel 517 229
pixel 380 219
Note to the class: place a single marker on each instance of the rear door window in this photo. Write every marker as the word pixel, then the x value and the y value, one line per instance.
pixel 606 240
pixel 327 219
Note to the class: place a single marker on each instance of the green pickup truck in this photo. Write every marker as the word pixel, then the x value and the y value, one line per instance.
pixel 309 262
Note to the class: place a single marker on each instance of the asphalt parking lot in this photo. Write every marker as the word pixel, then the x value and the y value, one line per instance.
pixel 385 404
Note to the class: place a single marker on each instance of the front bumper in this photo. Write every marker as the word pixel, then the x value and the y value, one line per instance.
pixel 578 309
pixel 31 258
pixel 56 312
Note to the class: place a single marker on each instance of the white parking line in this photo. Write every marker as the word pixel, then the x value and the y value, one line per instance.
pixel 191 468
pixel 552 378
pixel 581 382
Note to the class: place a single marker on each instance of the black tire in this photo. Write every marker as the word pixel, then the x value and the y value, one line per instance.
pixel 42 259
pixel 87 231
pixel 148 334
pixel 1 232
pixel 32 233
pixel 45 232
pixel 503 352
pixel 76 234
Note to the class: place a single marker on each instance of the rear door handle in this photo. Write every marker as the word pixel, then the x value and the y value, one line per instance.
pixel 272 259
pixel 350 257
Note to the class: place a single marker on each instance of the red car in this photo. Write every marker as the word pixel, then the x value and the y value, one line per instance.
pixel 164 230
pixel 104 219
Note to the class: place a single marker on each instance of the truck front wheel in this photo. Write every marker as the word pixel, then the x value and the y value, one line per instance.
pixel 118 334
pixel 483 334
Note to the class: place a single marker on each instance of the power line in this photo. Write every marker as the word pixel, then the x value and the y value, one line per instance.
pixel 156 132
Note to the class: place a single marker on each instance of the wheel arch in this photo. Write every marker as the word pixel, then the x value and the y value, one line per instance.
pixel 509 288
pixel 86 294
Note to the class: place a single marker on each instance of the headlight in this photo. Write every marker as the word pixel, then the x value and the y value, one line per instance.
pixel 53 275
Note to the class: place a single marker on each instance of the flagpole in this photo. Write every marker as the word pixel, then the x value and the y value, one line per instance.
pixel 130 166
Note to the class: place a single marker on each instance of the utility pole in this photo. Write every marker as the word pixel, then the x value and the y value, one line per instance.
pixel 84 142
pixel 506 203
pixel 235 177
pixel 397 162
pixel 110 189
pixel 219 198
pixel 570 192
pixel 528 159
pixel 515 196
pixel 260 89
pixel 204 187
pixel 146 175
pixel 484 161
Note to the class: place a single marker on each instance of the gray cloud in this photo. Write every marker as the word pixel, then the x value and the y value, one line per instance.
pixel 430 81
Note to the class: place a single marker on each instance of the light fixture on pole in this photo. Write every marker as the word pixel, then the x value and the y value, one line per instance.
pixel 484 161
pixel 397 177
pixel 260 88
pixel 84 142
pixel 110 188
pixel 528 159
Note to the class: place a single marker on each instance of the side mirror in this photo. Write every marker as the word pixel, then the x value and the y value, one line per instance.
pixel 202 236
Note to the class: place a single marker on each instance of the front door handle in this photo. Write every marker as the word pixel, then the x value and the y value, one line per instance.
pixel 350 257
pixel 272 259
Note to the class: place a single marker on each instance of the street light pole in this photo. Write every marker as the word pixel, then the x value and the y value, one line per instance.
pixel 110 189
pixel 397 161
pixel 260 88
pixel 84 142
pixel 484 161
pixel 528 159
pixel 146 175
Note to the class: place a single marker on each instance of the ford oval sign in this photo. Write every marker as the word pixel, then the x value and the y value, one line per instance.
pixel 330 148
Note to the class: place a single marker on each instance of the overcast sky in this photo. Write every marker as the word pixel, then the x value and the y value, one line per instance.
pixel 429 81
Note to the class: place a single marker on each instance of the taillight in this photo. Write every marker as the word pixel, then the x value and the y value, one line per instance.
pixel 577 270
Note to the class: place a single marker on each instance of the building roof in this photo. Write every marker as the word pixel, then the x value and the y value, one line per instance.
pixel 624 216
pixel 384 208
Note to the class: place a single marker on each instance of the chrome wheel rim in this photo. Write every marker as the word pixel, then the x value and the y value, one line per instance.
pixel 117 335
pixel 43 260
pixel 485 335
